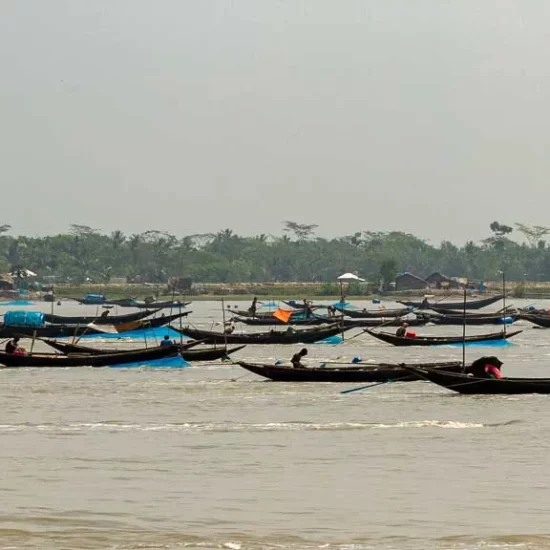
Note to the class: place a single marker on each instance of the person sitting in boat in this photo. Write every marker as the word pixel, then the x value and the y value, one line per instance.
pixel 425 304
pixel 229 328
pixel 402 330
pixel 166 341
pixel 487 367
pixel 331 310
pixel 12 346
pixel 297 359
pixel 252 308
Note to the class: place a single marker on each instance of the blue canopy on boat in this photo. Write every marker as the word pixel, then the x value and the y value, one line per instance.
pixel 24 318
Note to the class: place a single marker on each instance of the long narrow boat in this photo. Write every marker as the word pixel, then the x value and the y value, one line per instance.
pixel 472 314
pixel 370 314
pixel 495 319
pixel 48 331
pixel 470 304
pixel 142 304
pixel 324 320
pixel 155 322
pixel 67 347
pixel 64 331
pixel 204 354
pixel 273 321
pixel 104 319
pixel 381 372
pixel 463 383
pixel 395 340
pixel 103 360
pixel 539 320
pixel 308 336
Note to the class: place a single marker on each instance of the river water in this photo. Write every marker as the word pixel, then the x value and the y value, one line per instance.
pixel 213 457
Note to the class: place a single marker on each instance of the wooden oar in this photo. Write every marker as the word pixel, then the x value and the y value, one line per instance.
pixel 351 390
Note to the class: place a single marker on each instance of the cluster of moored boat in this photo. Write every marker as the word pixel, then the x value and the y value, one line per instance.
pixel 302 324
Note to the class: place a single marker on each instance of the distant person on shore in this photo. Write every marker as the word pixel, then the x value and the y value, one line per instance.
pixel 166 341
pixel 297 359
pixel 402 330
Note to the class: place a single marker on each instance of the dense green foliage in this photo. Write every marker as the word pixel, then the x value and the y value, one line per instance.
pixel 224 257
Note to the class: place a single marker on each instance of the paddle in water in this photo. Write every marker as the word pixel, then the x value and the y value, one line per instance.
pixel 351 390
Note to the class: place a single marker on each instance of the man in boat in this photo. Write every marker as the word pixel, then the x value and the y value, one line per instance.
pixel 252 308
pixel 12 346
pixel 331 310
pixel 229 327
pixel 402 330
pixel 308 310
pixel 166 341
pixel 297 359
pixel 487 367
pixel 104 314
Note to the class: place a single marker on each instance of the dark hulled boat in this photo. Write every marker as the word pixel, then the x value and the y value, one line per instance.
pixel 145 304
pixel 204 354
pixel 395 340
pixel 539 320
pixel 474 320
pixel 324 320
pixel 87 360
pixel 48 331
pixel 463 383
pixel 98 320
pixel 308 336
pixel 470 304
pixel 353 373
pixel 371 314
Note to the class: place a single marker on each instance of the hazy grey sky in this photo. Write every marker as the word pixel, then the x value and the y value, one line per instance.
pixel 191 116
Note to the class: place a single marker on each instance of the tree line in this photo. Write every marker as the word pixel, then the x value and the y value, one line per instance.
pixel 85 254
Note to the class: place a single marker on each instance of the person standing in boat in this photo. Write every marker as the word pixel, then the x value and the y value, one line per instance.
pixel 308 310
pixel 253 307
pixel 402 330
pixel 297 359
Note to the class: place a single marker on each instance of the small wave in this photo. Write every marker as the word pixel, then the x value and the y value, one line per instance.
pixel 119 426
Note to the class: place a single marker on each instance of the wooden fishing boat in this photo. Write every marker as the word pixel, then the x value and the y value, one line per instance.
pixel 87 360
pixel 381 372
pixel 470 304
pixel 104 319
pixel 324 320
pixel 143 304
pixel 273 321
pixel 463 383
pixel 300 304
pixel 155 322
pixel 472 314
pixel 395 340
pixel 48 331
pixel 370 314
pixel 539 320
pixel 308 336
pixel 496 319
pixel 204 354
pixel 67 347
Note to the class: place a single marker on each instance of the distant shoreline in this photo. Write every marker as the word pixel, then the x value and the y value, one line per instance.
pixel 282 291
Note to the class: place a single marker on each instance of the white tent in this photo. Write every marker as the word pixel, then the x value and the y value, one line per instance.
pixel 346 278
pixel 349 277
